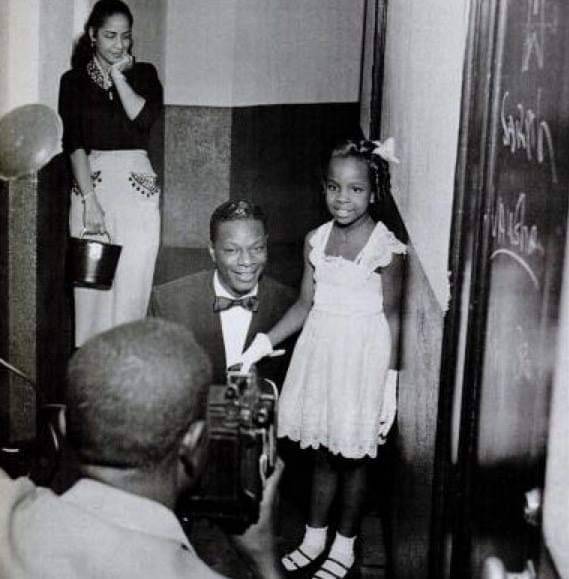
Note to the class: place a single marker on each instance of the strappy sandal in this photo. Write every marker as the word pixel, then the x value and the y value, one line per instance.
pixel 331 569
pixel 290 564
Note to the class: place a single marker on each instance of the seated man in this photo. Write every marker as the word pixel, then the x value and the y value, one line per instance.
pixel 132 422
pixel 227 307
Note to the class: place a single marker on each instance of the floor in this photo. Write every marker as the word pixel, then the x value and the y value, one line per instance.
pixel 215 548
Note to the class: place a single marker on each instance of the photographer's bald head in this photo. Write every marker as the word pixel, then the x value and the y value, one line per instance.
pixel 133 399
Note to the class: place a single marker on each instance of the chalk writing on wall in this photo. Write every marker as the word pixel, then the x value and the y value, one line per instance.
pixel 525 130
pixel 514 237
pixel 524 220
pixel 538 24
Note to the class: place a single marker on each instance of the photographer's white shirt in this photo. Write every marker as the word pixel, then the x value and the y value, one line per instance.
pixel 93 530
pixel 235 323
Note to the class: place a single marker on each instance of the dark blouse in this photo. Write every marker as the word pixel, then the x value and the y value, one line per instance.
pixel 92 120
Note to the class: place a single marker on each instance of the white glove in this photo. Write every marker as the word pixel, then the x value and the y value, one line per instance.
pixel 260 347
pixel 389 409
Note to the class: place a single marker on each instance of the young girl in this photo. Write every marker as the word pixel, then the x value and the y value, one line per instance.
pixel 339 393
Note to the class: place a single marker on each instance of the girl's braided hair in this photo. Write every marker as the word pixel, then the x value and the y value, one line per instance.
pixel 378 167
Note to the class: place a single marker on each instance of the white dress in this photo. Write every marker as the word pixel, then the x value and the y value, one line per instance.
pixel 333 394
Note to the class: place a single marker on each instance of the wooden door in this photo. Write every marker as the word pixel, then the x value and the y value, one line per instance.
pixel 506 261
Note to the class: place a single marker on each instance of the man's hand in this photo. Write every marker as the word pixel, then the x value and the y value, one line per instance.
pixel 258 541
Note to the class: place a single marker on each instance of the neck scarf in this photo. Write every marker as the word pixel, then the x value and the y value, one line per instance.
pixel 100 77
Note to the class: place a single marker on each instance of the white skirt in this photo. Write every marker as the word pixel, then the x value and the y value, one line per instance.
pixel 334 393
pixel 126 187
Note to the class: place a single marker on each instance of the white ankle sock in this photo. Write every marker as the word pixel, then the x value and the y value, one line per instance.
pixel 315 537
pixel 343 549
pixel 312 545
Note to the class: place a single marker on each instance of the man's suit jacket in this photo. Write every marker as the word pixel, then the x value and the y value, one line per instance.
pixel 189 301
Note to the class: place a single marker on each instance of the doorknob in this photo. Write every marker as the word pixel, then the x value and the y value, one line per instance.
pixel 493 568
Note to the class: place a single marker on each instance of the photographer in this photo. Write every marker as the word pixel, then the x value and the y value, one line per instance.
pixel 132 421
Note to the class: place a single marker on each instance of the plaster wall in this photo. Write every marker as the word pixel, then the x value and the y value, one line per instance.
pixel 20 48
pixel 421 110
pixel 255 52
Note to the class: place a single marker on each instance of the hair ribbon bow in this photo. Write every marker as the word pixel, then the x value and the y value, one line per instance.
pixel 386 150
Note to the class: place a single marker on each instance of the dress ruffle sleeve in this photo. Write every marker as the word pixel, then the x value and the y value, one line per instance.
pixel 318 240
pixel 380 252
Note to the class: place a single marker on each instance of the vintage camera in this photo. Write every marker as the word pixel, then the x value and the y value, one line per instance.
pixel 241 431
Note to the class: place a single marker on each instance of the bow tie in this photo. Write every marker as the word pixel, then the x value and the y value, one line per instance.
pixel 221 303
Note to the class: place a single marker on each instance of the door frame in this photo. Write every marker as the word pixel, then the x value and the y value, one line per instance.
pixel 378 67
pixel 468 266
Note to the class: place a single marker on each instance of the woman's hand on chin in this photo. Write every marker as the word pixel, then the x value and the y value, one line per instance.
pixel 124 64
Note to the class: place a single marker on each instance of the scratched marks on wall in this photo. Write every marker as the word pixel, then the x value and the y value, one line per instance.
pixel 526 185
pixel 514 236
pixel 542 19
pixel 524 125
pixel 526 139
pixel 523 129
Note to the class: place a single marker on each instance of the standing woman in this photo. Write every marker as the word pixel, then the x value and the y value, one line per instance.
pixel 108 103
